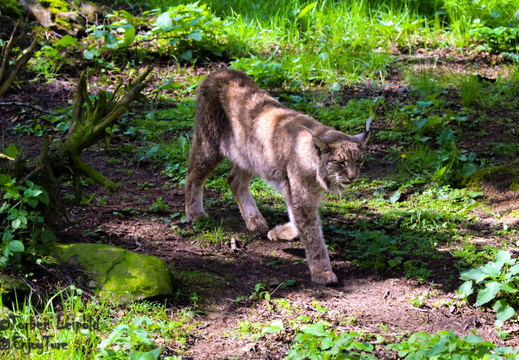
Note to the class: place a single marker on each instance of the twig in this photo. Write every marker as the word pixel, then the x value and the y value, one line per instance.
pixel 34 107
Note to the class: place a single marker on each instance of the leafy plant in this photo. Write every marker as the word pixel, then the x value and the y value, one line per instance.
pixel 497 282
pixel 446 345
pixel 269 74
pixel 130 341
pixel 22 227
pixel 316 342
pixel 496 39
pixel 189 30
pixel 447 163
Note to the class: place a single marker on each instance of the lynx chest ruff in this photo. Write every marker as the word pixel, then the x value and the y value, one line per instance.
pixel 301 157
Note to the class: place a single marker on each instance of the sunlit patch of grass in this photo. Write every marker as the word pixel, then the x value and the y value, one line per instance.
pixel 72 326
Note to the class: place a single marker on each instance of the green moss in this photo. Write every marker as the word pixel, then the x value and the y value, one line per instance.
pixel 119 275
pixel 11 8
pixel 57 6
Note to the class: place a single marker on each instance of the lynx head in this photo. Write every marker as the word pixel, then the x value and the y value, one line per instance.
pixel 340 158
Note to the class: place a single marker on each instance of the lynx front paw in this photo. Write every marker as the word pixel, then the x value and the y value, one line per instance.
pixel 194 216
pixel 283 232
pixel 324 278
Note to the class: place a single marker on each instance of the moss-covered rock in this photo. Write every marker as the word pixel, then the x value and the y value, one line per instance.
pixel 13 290
pixel 116 274
pixel 503 178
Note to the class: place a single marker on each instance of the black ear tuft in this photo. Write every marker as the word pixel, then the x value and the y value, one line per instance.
pixel 362 138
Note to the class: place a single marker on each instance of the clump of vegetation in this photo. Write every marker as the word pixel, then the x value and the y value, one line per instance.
pixel 11 8
pixel 497 282
pixel 22 226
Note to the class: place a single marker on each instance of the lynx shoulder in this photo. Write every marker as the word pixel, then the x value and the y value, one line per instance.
pixel 298 155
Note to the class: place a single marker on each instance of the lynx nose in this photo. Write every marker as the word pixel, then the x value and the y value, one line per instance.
pixel 351 175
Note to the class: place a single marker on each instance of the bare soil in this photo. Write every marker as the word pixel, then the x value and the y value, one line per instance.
pixel 221 272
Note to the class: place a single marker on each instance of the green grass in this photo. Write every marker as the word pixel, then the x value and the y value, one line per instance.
pixel 70 326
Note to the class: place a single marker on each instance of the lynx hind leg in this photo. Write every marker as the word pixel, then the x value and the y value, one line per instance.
pixel 239 181
pixel 200 167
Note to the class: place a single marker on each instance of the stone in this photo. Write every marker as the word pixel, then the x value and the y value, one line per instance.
pixel 13 291
pixel 118 275
pixel 36 9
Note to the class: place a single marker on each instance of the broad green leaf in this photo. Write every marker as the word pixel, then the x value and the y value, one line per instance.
pixel 129 36
pixel 7 236
pixel 514 270
pixel 306 9
pixel 48 236
pixel 473 339
pixel 468 169
pixel 44 198
pixel 15 224
pixel 477 275
pixel 275 326
pixel 504 257
pixel 493 269
pixel 150 355
pixel 188 55
pixel 509 287
pixel 90 54
pixel 16 246
pixel 439 173
pixel 125 14
pixel 195 35
pixel 195 21
pixel 31 192
pixel 439 347
pixel 66 40
pixel 395 197
pixel 488 293
pixel 315 329
pixel 11 151
pixel 164 21
pixel 503 312
pixel 111 41
pixel 465 289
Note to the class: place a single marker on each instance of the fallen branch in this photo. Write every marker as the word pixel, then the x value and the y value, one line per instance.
pixel 29 105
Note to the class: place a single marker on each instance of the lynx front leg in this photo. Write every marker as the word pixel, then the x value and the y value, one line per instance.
pixel 306 218
pixel 239 182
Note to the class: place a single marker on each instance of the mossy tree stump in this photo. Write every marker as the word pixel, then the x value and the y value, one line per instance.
pixel 91 116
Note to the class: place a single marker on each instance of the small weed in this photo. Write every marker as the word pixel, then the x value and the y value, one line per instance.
pixel 159 205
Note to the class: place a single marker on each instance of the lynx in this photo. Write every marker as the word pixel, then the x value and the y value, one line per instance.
pixel 299 156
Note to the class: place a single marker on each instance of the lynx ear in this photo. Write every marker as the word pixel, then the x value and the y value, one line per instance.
pixel 363 137
pixel 323 148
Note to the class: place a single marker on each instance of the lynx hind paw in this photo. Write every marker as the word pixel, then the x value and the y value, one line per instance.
pixel 282 232
pixel 325 278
